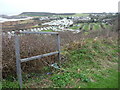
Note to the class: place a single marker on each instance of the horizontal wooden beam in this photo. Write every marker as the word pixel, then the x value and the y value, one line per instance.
pixel 25 32
pixel 38 57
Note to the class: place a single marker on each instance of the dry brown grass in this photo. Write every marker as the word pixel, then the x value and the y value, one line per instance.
pixel 31 45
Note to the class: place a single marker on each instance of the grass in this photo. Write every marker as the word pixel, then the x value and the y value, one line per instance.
pixel 96 26
pixel 86 67
pixel 10 84
pixel 31 15
pixel 81 14
pixel 75 27
pixel 89 26
pixel 86 27
pixel 107 26
pixel 103 81
pixel 75 15
pixel 0 85
pixel 35 26
pixel 91 64
pixel 47 31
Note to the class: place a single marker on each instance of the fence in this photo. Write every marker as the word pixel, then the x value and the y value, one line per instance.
pixel 17 52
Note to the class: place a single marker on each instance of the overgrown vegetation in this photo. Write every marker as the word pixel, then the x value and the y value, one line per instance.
pixel 87 61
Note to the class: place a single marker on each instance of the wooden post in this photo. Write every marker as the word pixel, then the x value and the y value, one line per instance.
pixel 58 46
pixel 18 62
pixel 17 52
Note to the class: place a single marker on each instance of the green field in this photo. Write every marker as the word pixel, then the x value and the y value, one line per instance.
pixel 107 26
pixel 74 27
pixel 76 15
pixel 47 31
pixel 86 27
pixel 81 14
pixel 96 26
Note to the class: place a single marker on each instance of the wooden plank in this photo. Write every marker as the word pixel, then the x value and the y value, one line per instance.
pixel 18 63
pixel 38 57
pixel 58 46
pixel 36 32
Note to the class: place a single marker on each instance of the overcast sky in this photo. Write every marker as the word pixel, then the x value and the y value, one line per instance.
pixel 12 7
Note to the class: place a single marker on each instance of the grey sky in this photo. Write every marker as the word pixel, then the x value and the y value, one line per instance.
pixel 59 6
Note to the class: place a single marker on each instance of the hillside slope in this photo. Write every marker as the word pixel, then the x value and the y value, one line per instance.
pixel 44 13
pixel 90 63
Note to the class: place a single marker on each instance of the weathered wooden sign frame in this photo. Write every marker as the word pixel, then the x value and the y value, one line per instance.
pixel 17 52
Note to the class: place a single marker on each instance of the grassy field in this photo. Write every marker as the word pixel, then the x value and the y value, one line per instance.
pixel 107 26
pixel 74 27
pixel 76 15
pixel 81 14
pixel 86 27
pixel 96 26
pixel 47 31
pixel 91 64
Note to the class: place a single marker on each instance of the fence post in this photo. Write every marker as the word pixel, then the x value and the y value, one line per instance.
pixel 58 46
pixel 18 62
pixel 17 52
